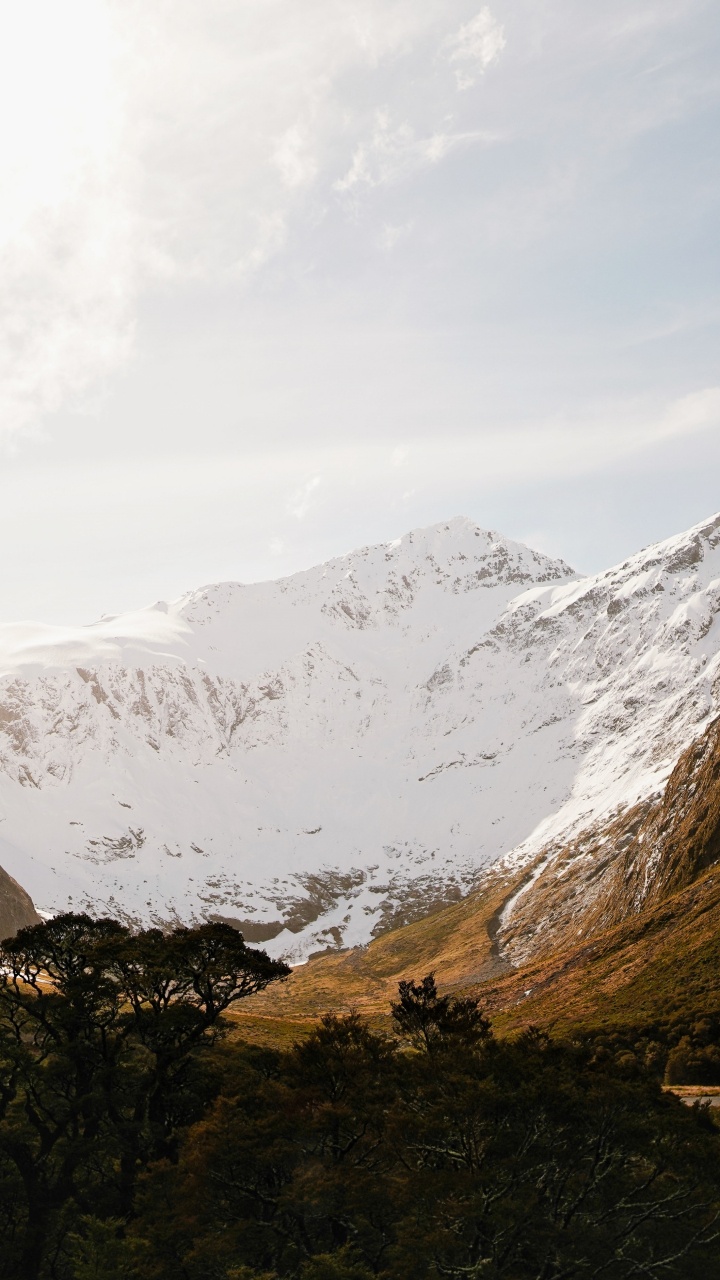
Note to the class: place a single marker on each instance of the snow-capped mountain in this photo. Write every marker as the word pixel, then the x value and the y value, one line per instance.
pixel 326 755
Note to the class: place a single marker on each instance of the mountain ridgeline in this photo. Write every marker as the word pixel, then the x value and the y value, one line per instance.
pixel 324 759
pixel 446 756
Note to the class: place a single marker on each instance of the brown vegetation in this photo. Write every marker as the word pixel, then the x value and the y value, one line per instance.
pixel 621 923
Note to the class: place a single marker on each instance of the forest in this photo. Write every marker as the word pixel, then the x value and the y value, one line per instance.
pixel 140 1136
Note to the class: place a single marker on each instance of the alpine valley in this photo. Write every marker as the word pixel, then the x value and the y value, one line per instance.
pixel 451 720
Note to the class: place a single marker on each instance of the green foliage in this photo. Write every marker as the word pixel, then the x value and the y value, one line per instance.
pixel 245 1273
pixel 429 1021
pixel 335 1266
pixel 135 1143
pixel 677 1049
pixel 98 1251
pixel 102 1034
pixel 525 1159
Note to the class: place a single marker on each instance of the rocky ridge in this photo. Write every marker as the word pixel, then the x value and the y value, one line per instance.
pixel 330 755
pixel 16 907
pixel 614 872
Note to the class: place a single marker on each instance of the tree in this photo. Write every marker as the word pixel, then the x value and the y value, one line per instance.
pixel 518 1159
pixel 99 1029
pixel 432 1022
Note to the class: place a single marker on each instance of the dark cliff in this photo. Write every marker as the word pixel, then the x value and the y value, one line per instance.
pixel 16 906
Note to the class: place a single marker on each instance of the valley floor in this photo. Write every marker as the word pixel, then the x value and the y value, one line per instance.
pixel 662 963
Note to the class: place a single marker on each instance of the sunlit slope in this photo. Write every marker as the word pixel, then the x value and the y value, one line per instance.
pixel 267 753
pixel 664 962
pixel 456 943
pixel 323 758
pixel 625 932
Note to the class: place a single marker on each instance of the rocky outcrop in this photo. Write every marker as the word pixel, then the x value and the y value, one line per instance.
pixel 611 872
pixel 16 907
pixel 327 755
pixel 623 923
pixel 680 839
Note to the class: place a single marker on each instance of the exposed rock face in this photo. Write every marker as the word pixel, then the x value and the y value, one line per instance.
pixel 325 756
pixel 612 872
pixel 680 838
pixel 16 908
pixel 269 754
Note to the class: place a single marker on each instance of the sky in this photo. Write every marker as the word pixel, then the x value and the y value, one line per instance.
pixel 279 278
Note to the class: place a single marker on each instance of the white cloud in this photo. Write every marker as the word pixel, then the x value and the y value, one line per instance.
pixel 294 159
pixel 154 141
pixel 301 501
pixel 475 47
pixel 394 151
pixel 191 145
pixel 383 156
pixel 161 526
pixel 693 412
pixel 269 238
pixel 391 235
pixel 69 238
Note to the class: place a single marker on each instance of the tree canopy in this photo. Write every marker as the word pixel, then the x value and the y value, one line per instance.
pixel 138 1141
pixel 101 1035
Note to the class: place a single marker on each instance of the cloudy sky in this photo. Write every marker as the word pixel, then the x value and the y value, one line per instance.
pixel 282 277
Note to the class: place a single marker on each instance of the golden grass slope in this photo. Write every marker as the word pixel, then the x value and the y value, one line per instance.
pixel 624 926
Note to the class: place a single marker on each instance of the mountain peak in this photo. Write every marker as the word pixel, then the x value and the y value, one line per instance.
pixel 323 755
pixel 448 554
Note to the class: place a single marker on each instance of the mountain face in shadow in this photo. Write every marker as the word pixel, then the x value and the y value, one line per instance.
pixel 16 906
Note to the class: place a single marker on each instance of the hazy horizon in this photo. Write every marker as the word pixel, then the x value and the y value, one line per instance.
pixel 280 280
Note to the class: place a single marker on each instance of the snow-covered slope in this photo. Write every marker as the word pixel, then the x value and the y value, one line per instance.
pixel 322 756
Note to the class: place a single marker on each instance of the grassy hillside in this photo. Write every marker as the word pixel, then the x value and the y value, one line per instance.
pixel 625 929
pixel 457 943
pixel 665 960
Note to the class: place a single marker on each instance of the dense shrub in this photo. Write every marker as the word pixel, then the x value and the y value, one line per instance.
pixel 451 1155
pixel 135 1143
pixel 104 1040
pixel 678 1050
